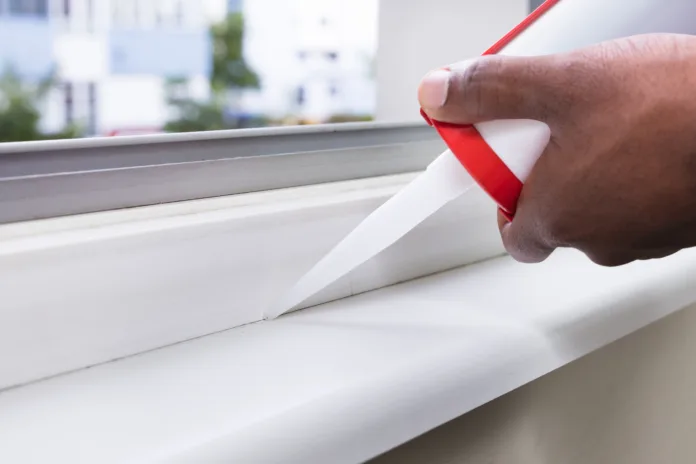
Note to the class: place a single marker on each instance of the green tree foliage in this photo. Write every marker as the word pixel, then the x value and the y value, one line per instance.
pixel 340 118
pixel 19 112
pixel 229 72
pixel 193 116
pixel 229 68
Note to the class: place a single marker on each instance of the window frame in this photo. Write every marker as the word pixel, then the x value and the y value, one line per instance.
pixel 57 178
pixel 135 280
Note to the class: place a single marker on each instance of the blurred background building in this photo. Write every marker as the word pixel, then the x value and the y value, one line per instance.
pixel 314 58
pixel 110 67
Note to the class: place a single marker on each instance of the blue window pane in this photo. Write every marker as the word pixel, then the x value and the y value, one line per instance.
pixel 29 7
pixel 161 52
pixel 33 59
pixel 234 6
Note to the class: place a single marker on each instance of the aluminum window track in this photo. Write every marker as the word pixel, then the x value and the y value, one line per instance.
pixel 57 178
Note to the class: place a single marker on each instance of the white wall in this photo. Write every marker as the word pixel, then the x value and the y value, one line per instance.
pixel 416 36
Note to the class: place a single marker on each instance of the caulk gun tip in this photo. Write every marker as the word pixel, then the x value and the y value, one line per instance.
pixel 274 312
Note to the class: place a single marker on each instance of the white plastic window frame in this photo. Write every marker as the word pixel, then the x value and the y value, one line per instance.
pixel 84 289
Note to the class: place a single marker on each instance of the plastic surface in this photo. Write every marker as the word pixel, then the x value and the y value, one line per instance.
pixel 345 382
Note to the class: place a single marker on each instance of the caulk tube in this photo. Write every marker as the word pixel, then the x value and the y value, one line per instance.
pixel 499 155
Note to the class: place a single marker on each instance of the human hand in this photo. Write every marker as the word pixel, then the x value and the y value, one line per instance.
pixel 618 178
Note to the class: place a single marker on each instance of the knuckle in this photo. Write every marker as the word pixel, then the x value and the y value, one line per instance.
pixel 472 86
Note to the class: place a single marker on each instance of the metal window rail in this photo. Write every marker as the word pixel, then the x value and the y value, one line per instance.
pixel 56 178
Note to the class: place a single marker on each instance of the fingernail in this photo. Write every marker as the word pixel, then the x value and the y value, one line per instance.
pixel 433 89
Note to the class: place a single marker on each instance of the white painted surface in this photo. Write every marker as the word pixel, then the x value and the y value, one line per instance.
pixel 85 290
pixel 416 36
pixel 346 381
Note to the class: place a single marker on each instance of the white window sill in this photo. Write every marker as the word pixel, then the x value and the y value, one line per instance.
pixel 348 380
pixel 83 290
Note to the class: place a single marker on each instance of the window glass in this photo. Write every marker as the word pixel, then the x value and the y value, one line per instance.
pixel 28 7
pixel 122 67
pixel 96 68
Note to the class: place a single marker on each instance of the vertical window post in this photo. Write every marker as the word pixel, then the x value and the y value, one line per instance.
pixel 92 107
pixel 69 101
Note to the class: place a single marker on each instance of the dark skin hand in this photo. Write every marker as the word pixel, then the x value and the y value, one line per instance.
pixel 618 179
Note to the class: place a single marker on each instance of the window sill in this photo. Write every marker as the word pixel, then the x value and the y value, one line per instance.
pixel 83 290
pixel 348 380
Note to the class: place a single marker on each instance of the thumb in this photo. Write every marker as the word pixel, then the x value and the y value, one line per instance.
pixel 490 88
